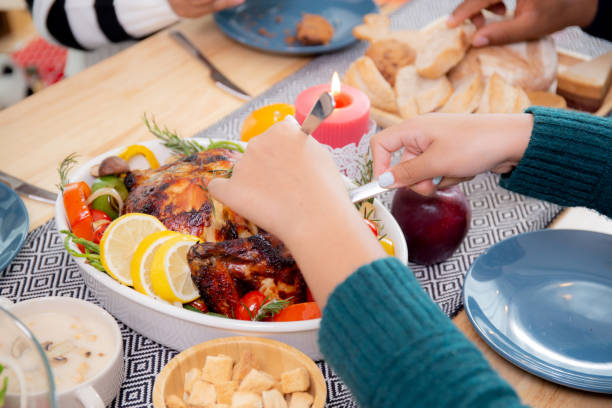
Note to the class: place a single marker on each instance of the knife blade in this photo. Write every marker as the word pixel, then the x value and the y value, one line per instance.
pixel 220 80
pixel 27 189
pixel 373 189
pixel 366 191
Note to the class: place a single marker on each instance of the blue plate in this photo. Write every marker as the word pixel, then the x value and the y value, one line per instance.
pixel 279 20
pixel 543 301
pixel 13 225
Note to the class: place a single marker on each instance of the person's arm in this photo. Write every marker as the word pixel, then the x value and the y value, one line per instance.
pixel 88 25
pixel 532 19
pixel 380 331
pixel 393 347
pixel 552 154
pixel 568 160
pixel 600 26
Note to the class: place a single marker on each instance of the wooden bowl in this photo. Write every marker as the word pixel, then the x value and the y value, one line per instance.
pixel 273 356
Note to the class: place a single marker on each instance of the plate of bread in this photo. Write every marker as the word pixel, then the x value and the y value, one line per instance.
pixel 412 72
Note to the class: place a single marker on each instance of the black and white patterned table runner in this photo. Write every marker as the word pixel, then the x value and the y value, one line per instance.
pixel 43 268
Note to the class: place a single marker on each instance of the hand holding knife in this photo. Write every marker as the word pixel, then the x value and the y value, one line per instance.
pixel 220 80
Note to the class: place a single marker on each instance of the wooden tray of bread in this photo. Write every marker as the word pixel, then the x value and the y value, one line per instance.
pixel 411 72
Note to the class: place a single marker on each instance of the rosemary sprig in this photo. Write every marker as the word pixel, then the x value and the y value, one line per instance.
pixel 92 250
pixel 366 172
pixel 63 170
pixel 171 140
pixel 270 308
pixel 224 144
pixel 185 147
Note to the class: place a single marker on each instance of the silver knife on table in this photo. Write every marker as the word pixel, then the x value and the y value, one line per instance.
pixel 220 80
pixel 27 189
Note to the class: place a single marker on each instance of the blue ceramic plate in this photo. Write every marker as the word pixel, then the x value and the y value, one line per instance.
pixel 543 301
pixel 13 225
pixel 279 20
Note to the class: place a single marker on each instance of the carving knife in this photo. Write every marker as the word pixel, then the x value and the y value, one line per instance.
pixel 220 80
pixel 27 189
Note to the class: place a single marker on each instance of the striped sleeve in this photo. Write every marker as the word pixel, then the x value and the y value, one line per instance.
pixel 90 24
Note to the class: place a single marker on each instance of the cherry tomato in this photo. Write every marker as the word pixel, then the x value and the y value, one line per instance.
pixel 99 232
pixel 372 226
pixel 199 304
pixel 249 305
pixel 98 215
pixel 299 311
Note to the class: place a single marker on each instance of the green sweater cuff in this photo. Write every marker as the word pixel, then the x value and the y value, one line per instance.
pixel 568 160
pixel 393 346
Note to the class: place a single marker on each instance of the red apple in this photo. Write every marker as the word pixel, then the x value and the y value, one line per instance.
pixel 433 226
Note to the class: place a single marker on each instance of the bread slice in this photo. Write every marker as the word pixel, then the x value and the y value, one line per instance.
pixel 442 49
pixel 417 95
pixel 501 97
pixel 364 75
pixel 542 98
pixel 530 65
pixel 389 55
pixel 466 95
pixel 413 38
pixel 374 27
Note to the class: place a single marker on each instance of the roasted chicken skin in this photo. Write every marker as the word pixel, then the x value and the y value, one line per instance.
pixel 224 271
pixel 177 195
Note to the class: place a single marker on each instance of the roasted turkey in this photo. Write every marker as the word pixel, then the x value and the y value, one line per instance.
pixel 224 271
pixel 236 256
pixel 177 195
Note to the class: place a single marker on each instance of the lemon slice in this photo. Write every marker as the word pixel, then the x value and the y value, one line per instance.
pixel 170 273
pixel 142 260
pixel 120 241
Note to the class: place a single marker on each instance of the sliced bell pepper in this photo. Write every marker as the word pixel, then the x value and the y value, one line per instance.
pixel 133 150
pixel 77 211
pixel 103 203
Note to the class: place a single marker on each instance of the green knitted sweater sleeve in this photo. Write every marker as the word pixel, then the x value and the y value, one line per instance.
pixel 568 160
pixel 393 346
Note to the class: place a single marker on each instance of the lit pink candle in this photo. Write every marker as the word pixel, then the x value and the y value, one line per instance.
pixel 347 123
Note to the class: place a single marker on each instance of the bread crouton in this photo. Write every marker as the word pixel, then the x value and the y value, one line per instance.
pixel 295 380
pixel 246 363
pixel 242 399
pixel 218 369
pixel 190 377
pixel 300 400
pixel 225 391
pixel 257 381
pixel 202 394
pixel 273 399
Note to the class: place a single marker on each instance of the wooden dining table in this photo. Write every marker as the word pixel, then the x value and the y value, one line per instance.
pixel 102 107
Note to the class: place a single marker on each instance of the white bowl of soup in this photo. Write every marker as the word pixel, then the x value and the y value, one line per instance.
pixel 81 344
pixel 179 328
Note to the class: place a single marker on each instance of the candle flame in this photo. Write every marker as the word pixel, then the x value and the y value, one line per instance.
pixel 335 84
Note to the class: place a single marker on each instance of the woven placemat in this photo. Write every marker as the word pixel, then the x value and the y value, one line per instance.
pixel 43 268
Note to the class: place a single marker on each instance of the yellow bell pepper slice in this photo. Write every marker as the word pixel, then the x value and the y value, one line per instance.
pixel 133 150
pixel 388 245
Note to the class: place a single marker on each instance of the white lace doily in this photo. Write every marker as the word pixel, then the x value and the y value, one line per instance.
pixel 350 158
